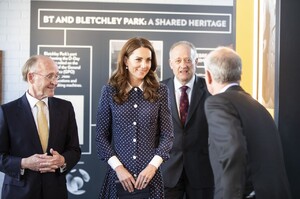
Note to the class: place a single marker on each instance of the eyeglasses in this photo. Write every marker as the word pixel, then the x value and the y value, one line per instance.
pixel 185 60
pixel 50 76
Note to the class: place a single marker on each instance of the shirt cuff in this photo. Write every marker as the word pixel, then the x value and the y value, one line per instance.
pixel 156 161
pixel 114 162
pixel 63 168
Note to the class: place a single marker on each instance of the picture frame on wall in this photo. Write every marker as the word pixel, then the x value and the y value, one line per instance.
pixel 266 58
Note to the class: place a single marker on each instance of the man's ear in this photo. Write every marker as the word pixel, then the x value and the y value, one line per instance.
pixel 196 61
pixel 30 77
pixel 208 77
pixel 170 64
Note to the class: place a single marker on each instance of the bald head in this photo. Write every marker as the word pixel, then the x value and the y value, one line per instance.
pixel 34 63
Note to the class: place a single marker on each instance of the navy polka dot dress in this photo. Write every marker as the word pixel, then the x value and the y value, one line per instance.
pixel 135 132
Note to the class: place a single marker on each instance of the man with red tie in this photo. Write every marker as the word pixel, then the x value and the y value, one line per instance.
pixel 187 174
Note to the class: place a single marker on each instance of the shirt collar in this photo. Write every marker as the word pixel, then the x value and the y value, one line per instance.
pixel 228 86
pixel 32 101
pixel 190 84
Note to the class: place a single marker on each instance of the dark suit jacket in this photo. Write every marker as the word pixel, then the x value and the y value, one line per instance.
pixel 19 139
pixel 190 146
pixel 245 147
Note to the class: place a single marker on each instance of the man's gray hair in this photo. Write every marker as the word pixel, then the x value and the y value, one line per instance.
pixel 187 43
pixel 224 64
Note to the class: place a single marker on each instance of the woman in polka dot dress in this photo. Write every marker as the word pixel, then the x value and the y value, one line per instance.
pixel 134 124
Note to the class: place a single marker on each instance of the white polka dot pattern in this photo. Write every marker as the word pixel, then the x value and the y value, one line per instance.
pixel 134 131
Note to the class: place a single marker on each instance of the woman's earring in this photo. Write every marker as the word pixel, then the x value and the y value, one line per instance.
pixel 126 67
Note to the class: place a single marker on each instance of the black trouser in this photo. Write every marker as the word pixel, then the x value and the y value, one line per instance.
pixel 183 190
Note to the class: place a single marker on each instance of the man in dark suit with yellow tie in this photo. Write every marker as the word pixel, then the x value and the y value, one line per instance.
pixel 35 156
pixel 187 174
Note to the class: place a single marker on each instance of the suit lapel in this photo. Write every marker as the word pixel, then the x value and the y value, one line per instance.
pixel 26 115
pixel 174 109
pixel 196 97
pixel 53 117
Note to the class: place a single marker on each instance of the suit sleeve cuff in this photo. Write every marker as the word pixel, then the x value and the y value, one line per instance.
pixel 114 162
pixel 156 161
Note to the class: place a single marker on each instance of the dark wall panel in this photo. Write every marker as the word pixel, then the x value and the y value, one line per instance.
pixel 289 95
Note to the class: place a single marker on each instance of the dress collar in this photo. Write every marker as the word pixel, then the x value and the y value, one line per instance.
pixel 129 87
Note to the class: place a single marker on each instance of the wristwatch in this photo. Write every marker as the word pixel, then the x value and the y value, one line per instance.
pixel 63 168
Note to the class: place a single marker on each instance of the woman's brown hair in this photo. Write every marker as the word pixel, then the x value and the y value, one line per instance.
pixel 120 77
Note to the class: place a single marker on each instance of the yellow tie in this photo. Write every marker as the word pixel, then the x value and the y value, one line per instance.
pixel 42 125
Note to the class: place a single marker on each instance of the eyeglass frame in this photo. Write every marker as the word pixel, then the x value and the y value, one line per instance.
pixel 50 76
pixel 187 60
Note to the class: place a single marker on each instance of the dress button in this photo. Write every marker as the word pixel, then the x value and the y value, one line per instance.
pixel 135 106
pixel 134 175
pixel 135 89
pixel 134 123
pixel 134 140
pixel 134 157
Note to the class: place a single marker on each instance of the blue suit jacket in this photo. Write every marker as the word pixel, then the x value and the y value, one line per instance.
pixel 19 139
pixel 190 147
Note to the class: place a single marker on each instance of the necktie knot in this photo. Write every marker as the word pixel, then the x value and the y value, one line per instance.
pixel 40 104
pixel 183 88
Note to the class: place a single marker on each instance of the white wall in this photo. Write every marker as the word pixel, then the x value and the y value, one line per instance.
pixel 14 44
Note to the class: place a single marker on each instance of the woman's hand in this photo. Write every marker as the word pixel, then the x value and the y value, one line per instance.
pixel 125 178
pixel 145 177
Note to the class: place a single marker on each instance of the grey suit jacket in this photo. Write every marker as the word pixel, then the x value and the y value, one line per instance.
pixel 190 146
pixel 245 148
pixel 19 139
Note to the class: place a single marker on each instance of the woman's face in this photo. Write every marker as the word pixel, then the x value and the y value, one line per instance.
pixel 139 64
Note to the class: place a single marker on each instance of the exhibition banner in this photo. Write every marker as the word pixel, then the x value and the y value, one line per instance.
pixel 84 38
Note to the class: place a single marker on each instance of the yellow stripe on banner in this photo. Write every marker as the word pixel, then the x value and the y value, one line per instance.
pixel 246 41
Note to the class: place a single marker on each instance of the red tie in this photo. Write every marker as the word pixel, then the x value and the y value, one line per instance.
pixel 184 104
